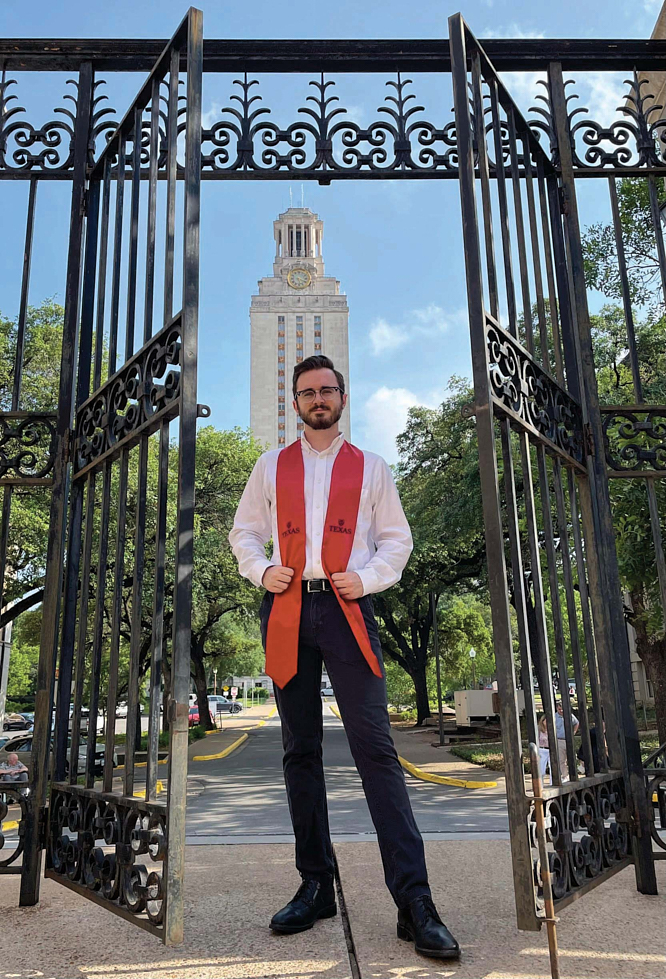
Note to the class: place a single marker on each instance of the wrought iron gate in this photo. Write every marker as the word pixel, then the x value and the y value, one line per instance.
pixel 98 841
pixel 536 403
pixel 545 446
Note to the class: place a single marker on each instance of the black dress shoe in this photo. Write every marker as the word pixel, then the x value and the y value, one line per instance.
pixel 420 923
pixel 312 900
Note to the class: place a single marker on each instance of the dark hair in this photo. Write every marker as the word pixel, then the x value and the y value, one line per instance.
pixel 315 363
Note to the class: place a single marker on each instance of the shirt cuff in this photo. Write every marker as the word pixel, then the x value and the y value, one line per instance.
pixel 369 580
pixel 258 571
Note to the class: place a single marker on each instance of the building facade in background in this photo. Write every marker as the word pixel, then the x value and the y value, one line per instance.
pixel 297 312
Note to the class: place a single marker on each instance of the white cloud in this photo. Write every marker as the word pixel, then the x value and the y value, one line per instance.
pixel 385 338
pixel 511 32
pixel 429 321
pixel 385 417
pixel 212 115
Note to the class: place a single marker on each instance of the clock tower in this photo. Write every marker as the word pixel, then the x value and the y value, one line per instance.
pixel 297 312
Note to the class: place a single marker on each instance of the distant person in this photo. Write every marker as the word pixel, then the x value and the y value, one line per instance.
pixel 594 744
pixel 544 749
pixel 13 770
pixel 560 731
pixel 339 534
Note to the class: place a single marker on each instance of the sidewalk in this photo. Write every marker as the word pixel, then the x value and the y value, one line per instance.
pixel 416 745
pixel 232 891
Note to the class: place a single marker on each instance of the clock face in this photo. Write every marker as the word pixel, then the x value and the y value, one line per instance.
pixel 299 278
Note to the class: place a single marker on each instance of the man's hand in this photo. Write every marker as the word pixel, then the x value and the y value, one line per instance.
pixel 348 584
pixel 276 579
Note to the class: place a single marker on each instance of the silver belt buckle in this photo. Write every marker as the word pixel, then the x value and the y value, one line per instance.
pixel 313 581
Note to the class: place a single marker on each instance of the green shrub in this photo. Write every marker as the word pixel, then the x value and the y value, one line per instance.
pixel 197 733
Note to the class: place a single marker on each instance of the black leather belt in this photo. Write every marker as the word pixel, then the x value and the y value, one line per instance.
pixel 316 584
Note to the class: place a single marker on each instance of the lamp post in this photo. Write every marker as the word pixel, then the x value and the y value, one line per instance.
pixel 440 717
pixel 215 680
pixel 472 655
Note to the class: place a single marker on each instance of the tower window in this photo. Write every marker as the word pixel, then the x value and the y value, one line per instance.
pixel 280 373
pixel 280 360
pixel 299 321
pixel 299 333
pixel 281 386
pixel 281 440
pixel 317 322
pixel 280 346
pixel 281 321
pixel 317 333
pixel 299 360
pixel 317 346
pixel 298 241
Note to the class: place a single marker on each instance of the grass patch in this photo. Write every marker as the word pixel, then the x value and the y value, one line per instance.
pixel 491 755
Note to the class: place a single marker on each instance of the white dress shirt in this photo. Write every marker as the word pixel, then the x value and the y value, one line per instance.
pixel 382 542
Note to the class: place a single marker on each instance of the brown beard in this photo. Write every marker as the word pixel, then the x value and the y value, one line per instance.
pixel 326 421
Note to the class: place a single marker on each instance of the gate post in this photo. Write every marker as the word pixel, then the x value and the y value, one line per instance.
pixel 30 876
pixel 182 614
pixel 492 515
pixel 600 509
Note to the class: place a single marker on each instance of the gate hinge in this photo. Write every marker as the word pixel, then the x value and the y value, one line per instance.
pixel 43 826
pixel 468 410
pixel 588 441
pixel 69 445
pixel 203 411
pixel 564 202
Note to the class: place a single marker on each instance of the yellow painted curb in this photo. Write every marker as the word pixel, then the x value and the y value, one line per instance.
pixel 142 764
pixel 429 777
pixel 253 728
pixel 222 754
pixel 444 779
pixel 141 794
pixel 9 826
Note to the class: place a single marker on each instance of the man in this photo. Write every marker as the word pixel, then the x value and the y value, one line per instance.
pixel 13 770
pixel 561 739
pixel 339 535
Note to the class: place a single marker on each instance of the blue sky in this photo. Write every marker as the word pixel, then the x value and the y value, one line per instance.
pixel 396 247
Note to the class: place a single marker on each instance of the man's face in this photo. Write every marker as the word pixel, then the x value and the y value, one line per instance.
pixel 321 412
pixel 12 759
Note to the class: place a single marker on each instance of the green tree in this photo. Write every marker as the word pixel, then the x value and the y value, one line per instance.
pixel 634 542
pixel 438 481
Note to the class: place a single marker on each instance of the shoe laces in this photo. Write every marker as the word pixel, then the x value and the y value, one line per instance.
pixel 308 891
pixel 427 905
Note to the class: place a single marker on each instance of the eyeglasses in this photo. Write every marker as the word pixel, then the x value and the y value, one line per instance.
pixel 309 394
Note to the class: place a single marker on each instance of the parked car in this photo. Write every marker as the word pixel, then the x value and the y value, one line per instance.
pixel 22 745
pixel 15 722
pixel 327 692
pixel 218 704
pixel 121 709
pixel 194 716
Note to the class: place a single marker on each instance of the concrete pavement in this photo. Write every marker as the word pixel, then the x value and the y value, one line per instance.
pixel 232 891
pixel 242 796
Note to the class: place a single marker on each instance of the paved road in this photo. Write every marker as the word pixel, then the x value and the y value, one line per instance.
pixel 243 795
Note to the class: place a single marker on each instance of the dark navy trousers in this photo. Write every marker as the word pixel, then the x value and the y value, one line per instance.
pixel 325 635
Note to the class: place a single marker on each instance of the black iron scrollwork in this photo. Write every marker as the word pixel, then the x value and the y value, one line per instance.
pixel 14 803
pixel 27 446
pixel 636 141
pixel 97 841
pixel 327 141
pixel 23 146
pixel 635 439
pixel 587 830
pixel 133 401
pixel 530 397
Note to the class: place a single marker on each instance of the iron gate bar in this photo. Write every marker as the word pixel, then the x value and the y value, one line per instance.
pixel 182 616
pixel 351 55
pixel 56 539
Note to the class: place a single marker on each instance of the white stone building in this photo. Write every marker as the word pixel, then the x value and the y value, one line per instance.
pixel 297 312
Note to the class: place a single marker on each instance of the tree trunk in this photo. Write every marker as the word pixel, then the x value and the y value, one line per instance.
pixel 202 689
pixel 421 688
pixel 654 660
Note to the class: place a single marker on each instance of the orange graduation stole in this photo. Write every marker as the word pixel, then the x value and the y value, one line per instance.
pixel 339 530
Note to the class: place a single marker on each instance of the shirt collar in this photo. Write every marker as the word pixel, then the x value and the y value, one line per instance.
pixel 331 450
